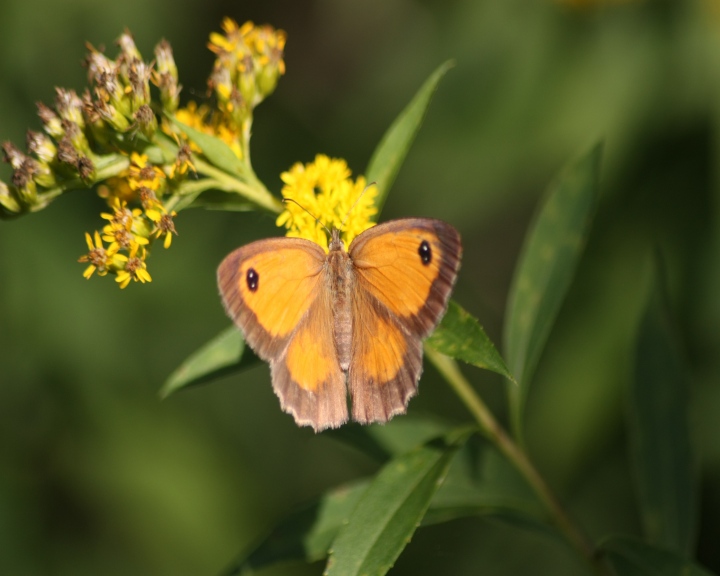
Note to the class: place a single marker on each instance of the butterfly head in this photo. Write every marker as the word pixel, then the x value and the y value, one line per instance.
pixel 336 243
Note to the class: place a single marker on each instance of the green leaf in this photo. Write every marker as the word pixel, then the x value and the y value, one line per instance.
pixel 224 354
pixel 488 487
pixel 306 534
pixel 398 436
pixel 390 510
pixel 547 264
pixel 632 557
pixel 460 336
pixel 214 149
pixel 395 143
pixel 660 433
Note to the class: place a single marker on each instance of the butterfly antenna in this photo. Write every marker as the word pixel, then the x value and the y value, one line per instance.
pixel 342 226
pixel 285 200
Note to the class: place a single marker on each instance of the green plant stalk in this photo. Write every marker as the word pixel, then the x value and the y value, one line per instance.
pixel 449 369
pixel 107 167
pixel 253 190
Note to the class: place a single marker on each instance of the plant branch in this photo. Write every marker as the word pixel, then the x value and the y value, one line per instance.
pixel 254 191
pixel 449 369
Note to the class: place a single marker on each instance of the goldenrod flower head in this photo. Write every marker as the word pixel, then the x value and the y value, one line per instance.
pixel 183 164
pixel 324 195
pixel 99 257
pixel 166 226
pixel 134 267
pixel 141 173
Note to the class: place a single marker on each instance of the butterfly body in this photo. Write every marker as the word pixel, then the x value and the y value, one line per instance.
pixel 346 321
pixel 341 283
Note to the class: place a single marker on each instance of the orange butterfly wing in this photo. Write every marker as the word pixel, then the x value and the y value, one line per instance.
pixel 275 291
pixel 404 273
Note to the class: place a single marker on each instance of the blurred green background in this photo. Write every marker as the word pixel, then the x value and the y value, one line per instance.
pixel 98 476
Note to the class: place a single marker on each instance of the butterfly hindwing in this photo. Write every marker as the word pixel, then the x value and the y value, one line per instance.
pixel 385 364
pixel 307 376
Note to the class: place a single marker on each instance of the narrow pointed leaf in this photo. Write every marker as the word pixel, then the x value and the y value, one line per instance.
pixel 660 433
pixel 547 264
pixel 395 143
pixel 460 336
pixel 224 354
pixel 632 557
pixel 390 510
pixel 306 534
pixel 214 149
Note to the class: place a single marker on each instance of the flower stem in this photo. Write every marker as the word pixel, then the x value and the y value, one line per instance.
pixel 449 369
pixel 254 191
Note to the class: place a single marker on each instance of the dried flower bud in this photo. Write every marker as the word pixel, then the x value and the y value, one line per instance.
pixel 50 120
pixel 145 121
pixel 127 47
pixel 139 80
pixel 97 63
pixel 69 106
pixel 165 60
pixel 8 202
pixel 67 154
pixel 41 146
pixel 86 169
pixel 22 179
pixel 169 91
pixel 110 114
pixel 13 156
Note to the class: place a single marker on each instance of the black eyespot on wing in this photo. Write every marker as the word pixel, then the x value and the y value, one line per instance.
pixel 425 252
pixel 253 279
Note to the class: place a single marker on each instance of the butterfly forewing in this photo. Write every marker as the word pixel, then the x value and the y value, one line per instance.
pixel 386 362
pixel 268 286
pixel 410 266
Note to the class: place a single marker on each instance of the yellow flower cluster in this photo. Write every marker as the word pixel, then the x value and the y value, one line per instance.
pixel 130 230
pixel 248 64
pixel 118 137
pixel 324 196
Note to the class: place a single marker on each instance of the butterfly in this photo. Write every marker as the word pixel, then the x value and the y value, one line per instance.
pixel 343 322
